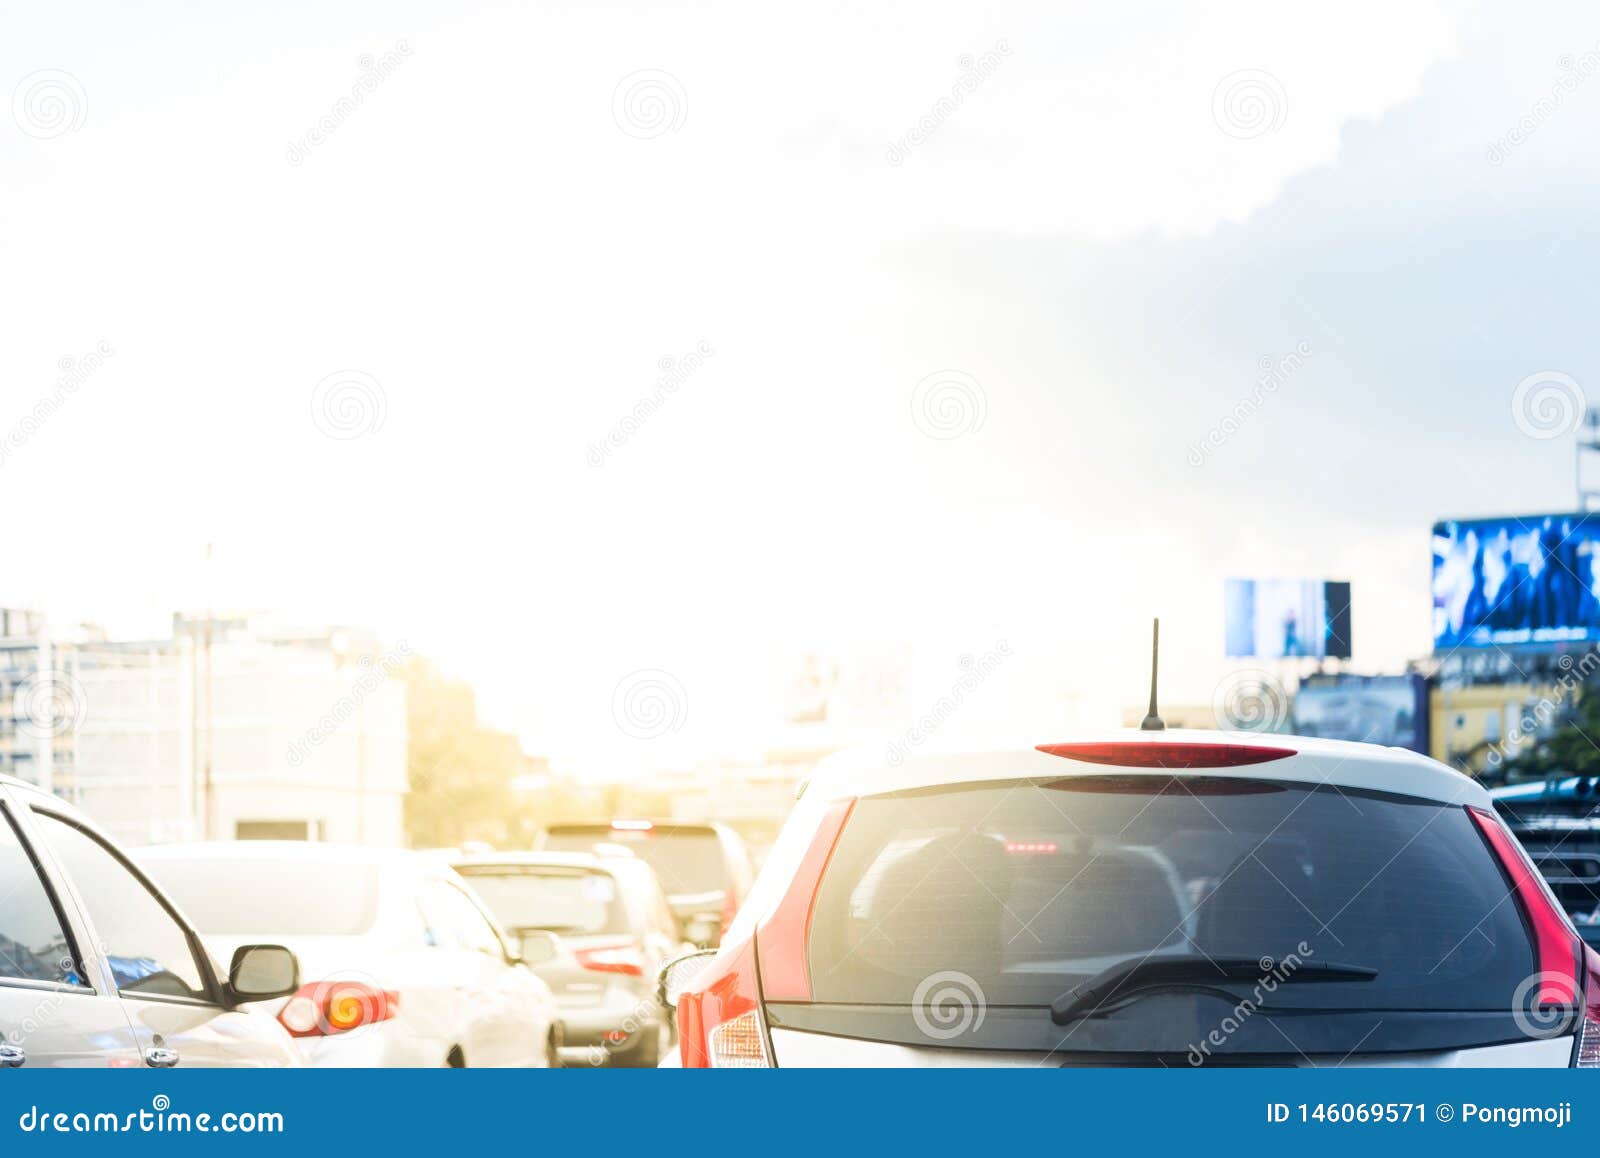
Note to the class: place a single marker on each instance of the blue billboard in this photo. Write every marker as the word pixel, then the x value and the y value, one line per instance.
pixel 1525 582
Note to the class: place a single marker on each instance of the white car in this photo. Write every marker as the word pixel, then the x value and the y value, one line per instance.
pixel 1145 898
pixel 98 968
pixel 400 964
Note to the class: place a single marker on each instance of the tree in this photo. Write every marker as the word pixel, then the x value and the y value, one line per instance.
pixel 460 772
pixel 1572 748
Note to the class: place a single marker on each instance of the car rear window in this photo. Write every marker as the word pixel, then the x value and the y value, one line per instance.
pixel 304 898
pixel 688 860
pixel 1030 887
pixel 569 901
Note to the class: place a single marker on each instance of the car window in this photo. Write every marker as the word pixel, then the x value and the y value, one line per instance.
pixel 561 900
pixel 148 950
pixel 1029 888
pixel 33 942
pixel 455 921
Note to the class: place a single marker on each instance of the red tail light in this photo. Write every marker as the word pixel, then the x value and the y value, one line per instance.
pixel 326 1008
pixel 625 958
pixel 1554 940
pixel 1568 971
pixel 1168 754
pixel 720 1022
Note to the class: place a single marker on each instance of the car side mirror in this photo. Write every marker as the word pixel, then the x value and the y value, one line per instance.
pixel 262 972
pixel 679 973
pixel 539 947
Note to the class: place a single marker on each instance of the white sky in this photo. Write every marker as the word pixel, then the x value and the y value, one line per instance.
pixel 1081 237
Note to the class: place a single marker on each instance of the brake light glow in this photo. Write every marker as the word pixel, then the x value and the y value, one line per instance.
pixel 1032 846
pixel 1167 754
pixel 612 959
pixel 327 1008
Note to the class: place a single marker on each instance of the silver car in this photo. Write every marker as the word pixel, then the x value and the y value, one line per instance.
pixel 99 968
pixel 1145 898
pixel 613 930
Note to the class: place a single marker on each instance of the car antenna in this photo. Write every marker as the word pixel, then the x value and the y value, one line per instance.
pixel 1152 722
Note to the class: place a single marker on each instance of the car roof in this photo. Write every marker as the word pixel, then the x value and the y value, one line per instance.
pixel 1341 763
pixel 586 860
pixel 299 851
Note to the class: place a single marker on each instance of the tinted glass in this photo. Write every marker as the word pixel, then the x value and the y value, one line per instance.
pixel 686 860
pixel 147 949
pixel 562 901
pixel 1030 888
pixel 271 897
pixel 33 946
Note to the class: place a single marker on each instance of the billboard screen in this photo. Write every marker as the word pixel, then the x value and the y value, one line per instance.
pixel 1282 618
pixel 1375 709
pixel 1523 582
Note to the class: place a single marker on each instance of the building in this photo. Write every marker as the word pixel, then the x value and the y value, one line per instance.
pixel 1479 724
pixel 230 728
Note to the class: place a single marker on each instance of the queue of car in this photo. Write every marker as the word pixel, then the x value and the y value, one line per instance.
pixel 1118 900
pixel 337 956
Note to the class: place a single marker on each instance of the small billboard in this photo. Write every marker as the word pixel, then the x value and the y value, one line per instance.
pixel 1286 618
pixel 1390 710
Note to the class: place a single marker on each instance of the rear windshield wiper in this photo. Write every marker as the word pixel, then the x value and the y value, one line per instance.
pixel 1146 973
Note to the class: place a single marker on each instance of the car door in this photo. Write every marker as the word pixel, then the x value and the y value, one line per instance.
pixel 164 978
pixel 56 1007
pixel 500 1006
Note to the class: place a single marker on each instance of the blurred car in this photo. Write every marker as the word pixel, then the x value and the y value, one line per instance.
pixel 402 965
pixel 1147 898
pixel 613 932
pixel 1558 823
pixel 704 868
pixel 99 968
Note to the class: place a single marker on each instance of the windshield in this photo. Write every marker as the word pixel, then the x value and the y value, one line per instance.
pixel 1028 888
pixel 561 901
pixel 688 860
pixel 306 898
